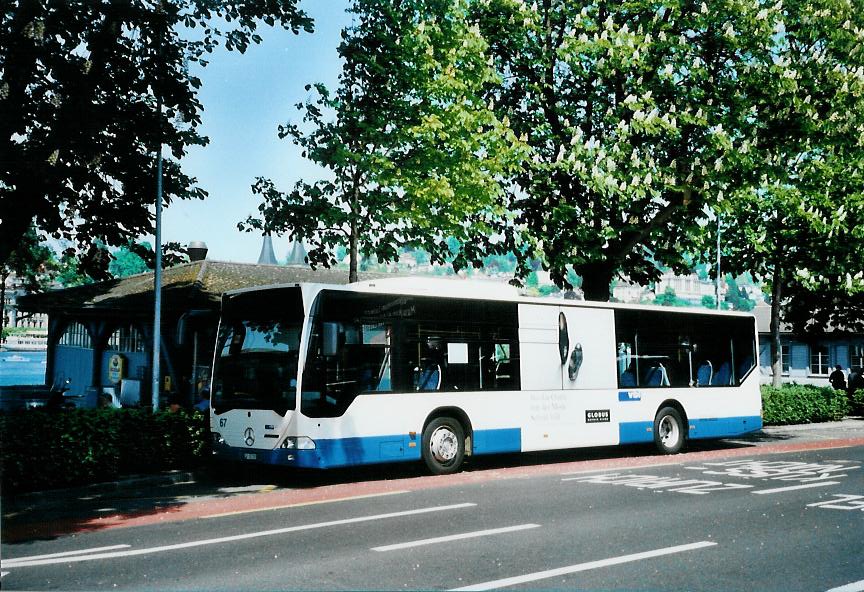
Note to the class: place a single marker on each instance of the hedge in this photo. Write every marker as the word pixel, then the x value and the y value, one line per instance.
pixel 49 449
pixel 858 402
pixel 801 403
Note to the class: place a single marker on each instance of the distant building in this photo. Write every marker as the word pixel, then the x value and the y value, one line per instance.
pixel 267 256
pixel 296 255
pixel 807 359
pixel 34 325
pixel 689 287
pixel 686 287
pixel 88 325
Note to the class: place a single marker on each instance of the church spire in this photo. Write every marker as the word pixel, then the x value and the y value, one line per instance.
pixel 267 256
pixel 296 254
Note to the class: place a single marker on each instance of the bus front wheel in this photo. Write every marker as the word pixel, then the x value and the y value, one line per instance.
pixel 443 445
pixel 668 431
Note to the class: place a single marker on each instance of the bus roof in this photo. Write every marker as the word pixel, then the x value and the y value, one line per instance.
pixel 471 290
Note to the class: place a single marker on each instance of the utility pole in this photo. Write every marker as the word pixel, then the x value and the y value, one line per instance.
pixel 157 276
pixel 717 281
pixel 157 280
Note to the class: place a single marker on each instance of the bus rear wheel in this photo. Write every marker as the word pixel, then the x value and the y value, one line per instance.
pixel 443 445
pixel 668 431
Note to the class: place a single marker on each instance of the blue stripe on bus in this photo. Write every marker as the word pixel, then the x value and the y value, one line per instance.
pixel 636 432
pixel 495 441
pixel 330 453
pixel 343 452
pixel 723 427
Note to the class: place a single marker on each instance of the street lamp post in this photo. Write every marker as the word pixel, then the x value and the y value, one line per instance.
pixel 717 281
pixel 157 277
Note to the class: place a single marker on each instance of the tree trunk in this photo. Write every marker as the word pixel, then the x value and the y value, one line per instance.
pixel 355 253
pixel 596 281
pixel 354 238
pixel 776 350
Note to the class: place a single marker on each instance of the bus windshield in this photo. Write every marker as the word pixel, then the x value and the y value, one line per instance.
pixel 256 358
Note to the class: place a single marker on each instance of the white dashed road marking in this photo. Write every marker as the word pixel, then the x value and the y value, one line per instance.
pixel 12 562
pixel 853 587
pixel 563 571
pixel 456 537
pixel 230 539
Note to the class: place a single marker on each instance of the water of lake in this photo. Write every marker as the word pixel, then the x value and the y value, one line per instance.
pixel 22 367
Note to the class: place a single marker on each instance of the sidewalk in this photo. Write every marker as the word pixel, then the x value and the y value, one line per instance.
pixel 851 427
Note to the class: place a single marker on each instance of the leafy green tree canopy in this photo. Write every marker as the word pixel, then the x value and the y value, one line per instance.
pixel 798 224
pixel 88 91
pixel 125 261
pixel 637 113
pixel 413 152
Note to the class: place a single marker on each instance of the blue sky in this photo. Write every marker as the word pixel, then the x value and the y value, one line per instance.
pixel 245 98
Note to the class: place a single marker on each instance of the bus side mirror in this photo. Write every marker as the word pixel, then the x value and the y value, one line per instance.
pixel 329 339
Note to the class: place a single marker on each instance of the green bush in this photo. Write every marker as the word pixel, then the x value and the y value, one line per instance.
pixel 801 403
pixel 858 401
pixel 45 449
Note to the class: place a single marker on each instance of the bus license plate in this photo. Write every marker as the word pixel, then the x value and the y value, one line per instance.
pixel 250 456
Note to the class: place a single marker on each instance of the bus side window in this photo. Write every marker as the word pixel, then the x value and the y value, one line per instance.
pixel 503 363
pixel 428 373
pixel 628 366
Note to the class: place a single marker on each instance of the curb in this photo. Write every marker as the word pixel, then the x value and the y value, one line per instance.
pixel 850 421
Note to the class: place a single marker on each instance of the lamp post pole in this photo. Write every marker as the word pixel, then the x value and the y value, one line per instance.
pixel 157 276
pixel 717 281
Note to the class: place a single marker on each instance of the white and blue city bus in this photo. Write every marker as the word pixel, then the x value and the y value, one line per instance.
pixel 322 376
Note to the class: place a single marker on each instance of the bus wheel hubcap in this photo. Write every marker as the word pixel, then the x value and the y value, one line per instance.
pixel 443 444
pixel 668 431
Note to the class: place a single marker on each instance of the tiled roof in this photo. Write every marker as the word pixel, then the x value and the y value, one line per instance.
pixel 190 285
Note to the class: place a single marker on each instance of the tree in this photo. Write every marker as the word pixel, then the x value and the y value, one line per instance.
pixel 68 270
pixel 736 297
pixel 632 111
pixel 126 262
pixel 797 225
pixel 88 91
pixel 669 298
pixel 413 154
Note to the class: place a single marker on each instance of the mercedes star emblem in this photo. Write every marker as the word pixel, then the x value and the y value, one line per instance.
pixel 249 434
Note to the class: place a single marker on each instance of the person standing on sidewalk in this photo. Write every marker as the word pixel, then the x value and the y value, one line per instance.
pixel 856 381
pixel 838 378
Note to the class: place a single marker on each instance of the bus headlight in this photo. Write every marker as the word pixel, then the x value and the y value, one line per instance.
pixel 217 438
pixel 298 443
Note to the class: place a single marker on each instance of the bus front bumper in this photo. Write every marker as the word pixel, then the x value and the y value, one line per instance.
pixel 276 456
pixel 328 453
